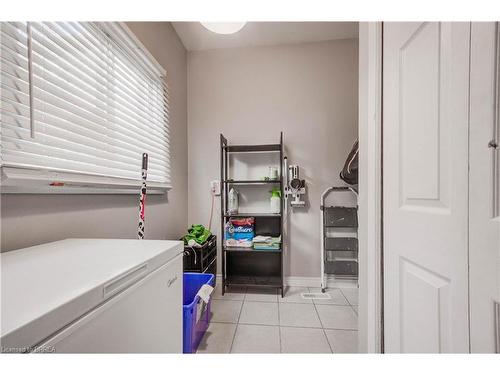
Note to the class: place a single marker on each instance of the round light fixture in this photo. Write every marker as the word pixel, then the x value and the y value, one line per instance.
pixel 223 27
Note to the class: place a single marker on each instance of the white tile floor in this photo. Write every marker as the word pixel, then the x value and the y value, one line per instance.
pixel 248 320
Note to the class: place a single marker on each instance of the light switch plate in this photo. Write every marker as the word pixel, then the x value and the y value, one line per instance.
pixel 215 187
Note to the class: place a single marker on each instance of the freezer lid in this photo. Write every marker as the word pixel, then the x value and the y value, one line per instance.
pixel 46 287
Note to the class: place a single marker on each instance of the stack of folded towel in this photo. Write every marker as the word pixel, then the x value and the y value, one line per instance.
pixel 266 243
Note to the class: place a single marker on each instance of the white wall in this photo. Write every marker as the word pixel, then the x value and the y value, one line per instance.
pixel 33 219
pixel 309 91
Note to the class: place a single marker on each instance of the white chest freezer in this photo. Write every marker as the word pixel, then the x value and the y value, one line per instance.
pixel 93 296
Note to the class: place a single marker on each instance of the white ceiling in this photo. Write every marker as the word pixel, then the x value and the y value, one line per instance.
pixel 195 37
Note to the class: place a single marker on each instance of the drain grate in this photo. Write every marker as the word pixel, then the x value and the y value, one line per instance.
pixel 316 296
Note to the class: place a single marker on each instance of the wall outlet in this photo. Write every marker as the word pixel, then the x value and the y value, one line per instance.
pixel 215 187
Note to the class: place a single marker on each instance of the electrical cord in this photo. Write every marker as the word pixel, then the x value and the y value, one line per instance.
pixel 211 211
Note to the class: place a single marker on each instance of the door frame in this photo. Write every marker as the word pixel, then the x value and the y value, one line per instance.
pixel 370 319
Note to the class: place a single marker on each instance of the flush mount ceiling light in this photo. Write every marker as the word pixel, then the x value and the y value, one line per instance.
pixel 223 27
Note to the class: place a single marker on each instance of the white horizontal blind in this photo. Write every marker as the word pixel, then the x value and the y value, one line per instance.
pixel 98 102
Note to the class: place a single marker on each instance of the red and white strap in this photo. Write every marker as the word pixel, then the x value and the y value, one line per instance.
pixel 142 199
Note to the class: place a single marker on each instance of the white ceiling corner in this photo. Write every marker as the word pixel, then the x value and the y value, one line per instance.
pixel 196 38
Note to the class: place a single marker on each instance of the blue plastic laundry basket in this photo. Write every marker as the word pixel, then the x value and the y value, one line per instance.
pixel 193 330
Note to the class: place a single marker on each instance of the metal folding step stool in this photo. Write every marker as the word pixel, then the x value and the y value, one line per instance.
pixel 339 242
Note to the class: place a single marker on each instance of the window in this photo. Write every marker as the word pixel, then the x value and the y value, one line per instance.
pixel 80 102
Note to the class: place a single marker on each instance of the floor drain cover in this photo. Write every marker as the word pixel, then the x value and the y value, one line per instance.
pixel 316 296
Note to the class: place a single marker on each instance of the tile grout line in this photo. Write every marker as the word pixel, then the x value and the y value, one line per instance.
pixel 264 294
pixel 288 326
pixel 237 324
pixel 351 305
pixel 348 304
pixel 313 302
pixel 279 327
pixel 239 314
pixel 319 317
pixel 290 303
pixel 355 312
pixel 317 314
pixel 225 299
pixel 322 327
pixel 328 341
pixel 347 299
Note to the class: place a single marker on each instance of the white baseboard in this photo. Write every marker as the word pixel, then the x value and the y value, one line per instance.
pixel 314 282
pixel 311 282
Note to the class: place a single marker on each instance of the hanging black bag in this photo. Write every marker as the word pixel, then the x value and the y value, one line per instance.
pixel 350 171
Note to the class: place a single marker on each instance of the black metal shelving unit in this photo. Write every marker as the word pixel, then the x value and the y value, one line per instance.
pixel 247 266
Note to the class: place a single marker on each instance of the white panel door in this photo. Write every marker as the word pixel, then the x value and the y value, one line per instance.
pixel 484 202
pixel 425 179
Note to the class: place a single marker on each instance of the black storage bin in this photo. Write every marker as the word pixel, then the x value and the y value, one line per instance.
pixel 205 260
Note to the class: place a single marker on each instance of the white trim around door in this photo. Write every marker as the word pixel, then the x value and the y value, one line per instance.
pixel 370 188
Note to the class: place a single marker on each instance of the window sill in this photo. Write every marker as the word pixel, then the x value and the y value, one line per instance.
pixel 29 181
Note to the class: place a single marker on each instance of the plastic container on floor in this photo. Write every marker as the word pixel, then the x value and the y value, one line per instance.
pixel 195 322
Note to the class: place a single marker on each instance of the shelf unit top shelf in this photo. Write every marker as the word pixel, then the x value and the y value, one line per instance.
pixel 253 148
pixel 252 182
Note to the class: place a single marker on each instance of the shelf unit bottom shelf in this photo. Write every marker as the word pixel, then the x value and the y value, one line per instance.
pixel 269 281
pixel 250 250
